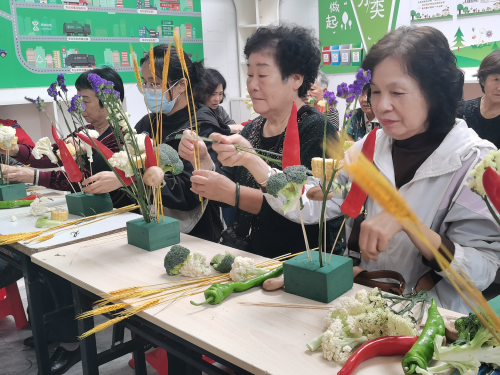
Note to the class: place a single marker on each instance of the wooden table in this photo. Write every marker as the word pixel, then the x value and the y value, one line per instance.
pixel 260 340
pixel 23 252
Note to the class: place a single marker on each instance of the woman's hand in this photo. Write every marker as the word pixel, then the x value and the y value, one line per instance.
pixel 235 128
pixel 102 182
pixel 228 155
pixel 18 174
pixel 214 186
pixel 376 233
pixel 186 150
pixel 80 150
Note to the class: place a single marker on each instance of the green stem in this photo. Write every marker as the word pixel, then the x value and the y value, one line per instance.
pixel 315 343
pixel 491 209
pixel 202 303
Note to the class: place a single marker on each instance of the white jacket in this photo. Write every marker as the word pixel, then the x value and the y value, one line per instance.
pixel 439 197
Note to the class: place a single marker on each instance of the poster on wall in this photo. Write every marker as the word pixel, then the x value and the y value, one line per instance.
pixel 431 10
pixel 48 37
pixel 348 28
pixel 468 8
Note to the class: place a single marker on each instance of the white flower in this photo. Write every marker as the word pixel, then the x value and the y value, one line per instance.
pixel 13 218
pixel 44 147
pixel 491 159
pixel 139 140
pixel 38 206
pixel 120 161
pixel 7 135
pixel 195 266
pixel 88 148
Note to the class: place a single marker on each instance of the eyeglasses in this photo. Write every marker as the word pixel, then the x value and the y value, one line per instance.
pixel 151 87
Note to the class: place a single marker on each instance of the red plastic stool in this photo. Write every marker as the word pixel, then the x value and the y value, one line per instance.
pixel 159 361
pixel 11 304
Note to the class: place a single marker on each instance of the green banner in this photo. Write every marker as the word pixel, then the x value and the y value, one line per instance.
pixel 347 30
pixel 374 19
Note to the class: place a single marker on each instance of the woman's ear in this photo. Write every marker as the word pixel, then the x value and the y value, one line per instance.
pixel 183 83
pixel 296 80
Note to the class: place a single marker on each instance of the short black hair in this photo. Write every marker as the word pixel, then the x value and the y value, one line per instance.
pixel 195 69
pixel 489 65
pixel 209 83
pixel 426 56
pixel 294 48
pixel 108 74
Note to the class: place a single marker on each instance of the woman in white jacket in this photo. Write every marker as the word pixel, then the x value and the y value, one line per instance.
pixel 427 154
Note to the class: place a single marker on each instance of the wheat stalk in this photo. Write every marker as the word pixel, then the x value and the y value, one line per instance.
pixel 101 327
pixel 102 310
pixel 366 175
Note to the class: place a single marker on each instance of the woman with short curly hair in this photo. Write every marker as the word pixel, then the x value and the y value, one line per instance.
pixel 283 63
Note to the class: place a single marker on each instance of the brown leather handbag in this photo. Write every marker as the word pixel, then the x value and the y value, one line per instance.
pixel 369 279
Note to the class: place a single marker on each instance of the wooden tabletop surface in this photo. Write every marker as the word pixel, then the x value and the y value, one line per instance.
pixel 261 340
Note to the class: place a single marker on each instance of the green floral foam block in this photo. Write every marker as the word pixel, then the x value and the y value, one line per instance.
pixel 323 284
pixel 11 192
pixel 80 204
pixel 153 236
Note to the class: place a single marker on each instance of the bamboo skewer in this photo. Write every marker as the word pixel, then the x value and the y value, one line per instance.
pixel 287 305
pixel 338 234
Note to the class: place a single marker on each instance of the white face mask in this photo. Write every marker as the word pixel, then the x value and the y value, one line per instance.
pixel 156 101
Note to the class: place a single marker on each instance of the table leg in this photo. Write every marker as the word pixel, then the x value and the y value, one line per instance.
pixel 88 345
pixel 34 293
pixel 139 357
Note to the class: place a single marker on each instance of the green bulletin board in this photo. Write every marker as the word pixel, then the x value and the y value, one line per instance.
pixel 348 28
pixel 40 37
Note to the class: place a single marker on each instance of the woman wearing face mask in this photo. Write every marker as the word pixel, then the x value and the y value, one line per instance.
pixel 178 199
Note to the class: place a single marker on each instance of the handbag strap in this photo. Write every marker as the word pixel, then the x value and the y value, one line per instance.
pixel 369 279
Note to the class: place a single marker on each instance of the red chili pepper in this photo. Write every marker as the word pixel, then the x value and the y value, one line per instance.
pixel 150 153
pixel 356 197
pixel 291 145
pixel 491 183
pixel 107 154
pixel 55 135
pixel 388 345
pixel 28 198
pixel 70 167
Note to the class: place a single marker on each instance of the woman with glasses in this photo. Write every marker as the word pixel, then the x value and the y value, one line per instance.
pixel 173 111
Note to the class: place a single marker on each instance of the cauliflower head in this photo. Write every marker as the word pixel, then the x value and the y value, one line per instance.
pixel 337 345
pixel 120 160
pixel 243 268
pixel 140 140
pixel 195 266
pixel 38 206
pixel 7 135
pixel 491 159
pixel 44 147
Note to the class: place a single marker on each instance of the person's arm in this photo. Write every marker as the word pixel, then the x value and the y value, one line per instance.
pixel 24 155
pixel 224 116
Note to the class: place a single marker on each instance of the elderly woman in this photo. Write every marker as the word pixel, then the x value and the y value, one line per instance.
pixel 96 116
pixel 283 63
pixel 363 120
pixel 426 154
pixel 315 94
pixel 483 114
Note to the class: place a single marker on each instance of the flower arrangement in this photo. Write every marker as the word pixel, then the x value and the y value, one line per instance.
pixel 486 181
pixel 350 93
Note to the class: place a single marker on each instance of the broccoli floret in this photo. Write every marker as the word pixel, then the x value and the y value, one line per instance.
pixel 276 183
pixel 289 183
pixel 465 326
pixel 223 263
pixel 169 159
pixel 296 174
pixel 175 259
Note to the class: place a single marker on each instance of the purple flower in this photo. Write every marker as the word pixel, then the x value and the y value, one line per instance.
pixel 342 90
pixel 60 82
pixel 107 91
pixel 349 115
pixel 116 95
pixel 351 98
pixel 330 98
pixel 40 104
pixel 76 105
pixel 52 90
pixel 356 89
